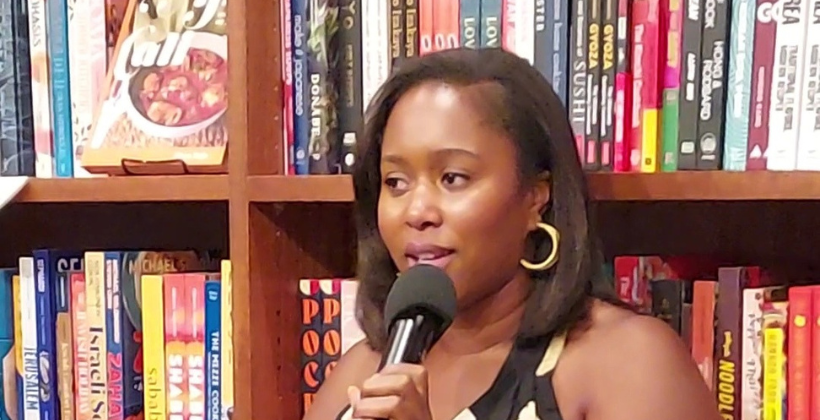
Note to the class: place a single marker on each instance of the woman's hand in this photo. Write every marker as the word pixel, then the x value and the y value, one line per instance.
pixel 398 392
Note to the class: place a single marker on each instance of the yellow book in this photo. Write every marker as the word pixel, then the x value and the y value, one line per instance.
pixel 153 346
pixel 97 337
pixel 649 141
pixel 774 376
pixel 18 344
pixel 227 339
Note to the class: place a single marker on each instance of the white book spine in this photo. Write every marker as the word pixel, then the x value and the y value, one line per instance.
pixel 808 143
pixel 787 72
pixel 751 391
pixel 28 327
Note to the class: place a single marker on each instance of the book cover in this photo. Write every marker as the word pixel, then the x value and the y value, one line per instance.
pixel 166 94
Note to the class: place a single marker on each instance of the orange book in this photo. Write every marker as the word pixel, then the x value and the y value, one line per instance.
pixel 798 382
pixel 703 328
pixel 815 353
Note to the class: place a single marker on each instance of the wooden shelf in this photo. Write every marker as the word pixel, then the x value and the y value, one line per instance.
pixel 672 186
pixel 312 188
pixel 706 186
pixel 126 189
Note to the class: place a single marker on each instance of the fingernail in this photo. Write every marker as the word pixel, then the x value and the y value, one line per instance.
pixel 353 394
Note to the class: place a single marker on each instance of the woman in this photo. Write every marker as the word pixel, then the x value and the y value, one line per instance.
pixel 468 163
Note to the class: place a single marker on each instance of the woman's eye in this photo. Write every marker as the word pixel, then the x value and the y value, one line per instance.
pixel 394 183
pixel 454 179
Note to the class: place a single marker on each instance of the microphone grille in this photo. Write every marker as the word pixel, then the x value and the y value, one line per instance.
pixel 422 288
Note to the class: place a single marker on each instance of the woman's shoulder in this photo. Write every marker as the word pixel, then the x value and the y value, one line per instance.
pixel 619 362
pixel 356 365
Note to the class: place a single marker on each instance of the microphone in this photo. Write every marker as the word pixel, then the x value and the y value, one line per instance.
pixel 419 308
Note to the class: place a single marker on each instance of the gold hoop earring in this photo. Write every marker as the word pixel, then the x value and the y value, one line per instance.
pixel 552 258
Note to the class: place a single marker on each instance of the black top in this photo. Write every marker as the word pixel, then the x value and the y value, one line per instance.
pixel 523 389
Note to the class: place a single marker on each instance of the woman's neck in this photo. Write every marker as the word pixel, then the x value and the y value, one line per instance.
pixel 489 322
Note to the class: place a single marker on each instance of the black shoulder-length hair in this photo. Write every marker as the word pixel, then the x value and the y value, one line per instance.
pixel 524 106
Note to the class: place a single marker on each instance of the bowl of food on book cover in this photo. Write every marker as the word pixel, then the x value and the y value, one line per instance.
pixel 181 100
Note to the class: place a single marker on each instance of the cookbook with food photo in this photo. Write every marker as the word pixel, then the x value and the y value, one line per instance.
pixel 166 98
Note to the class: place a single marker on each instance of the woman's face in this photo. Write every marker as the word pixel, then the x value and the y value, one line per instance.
pixel 450 193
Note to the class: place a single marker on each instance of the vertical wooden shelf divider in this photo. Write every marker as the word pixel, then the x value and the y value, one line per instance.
pixel 255 133
pixel 272 245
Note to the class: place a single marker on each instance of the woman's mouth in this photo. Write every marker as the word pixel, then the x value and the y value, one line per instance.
pixel 422 253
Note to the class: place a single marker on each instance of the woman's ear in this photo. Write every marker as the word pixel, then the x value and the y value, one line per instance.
pixel 539 198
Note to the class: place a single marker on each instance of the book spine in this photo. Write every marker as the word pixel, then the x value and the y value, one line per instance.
pixel 808 143
pixel 543 35
pixel 97 333
pixel 301 84
pixel 762 68
pixel 712 84
pixel 213 340
pixel 729 337
pixel 30 400
pixel 81 345
pixel 470 20
pixel 426 33
pixel 448 25
pixel 689 108
pixel 814 369
pixel 24 120
pixel 751 392
pixel 411 28
pixel 508 25
pixel 40 89
pixel 8 99
pixel 787 75
pixel 398 49
pixel 87 60
pixel 286 23
pixel 114 334
pixel 194 362
pixel 331 342
pixel 592 126
pixel 321 53
pixel 578 76
pixel 350 330
pixel 525 33
pixel 560 15
pixel 491 11
pixel 310 340
pixel 56 22
pixel 703 329
pixel 652 84
pixel 798 334
pixel 741 51
pixel 670 108
pixel 64 339
pixel 775 381
pixel 46 346
pixel 153 342
pixel 638 13
pixel 609 17
pixel 227 376
pixel 176 314
pixel 349 104
pixel 8 389
pixel 623 90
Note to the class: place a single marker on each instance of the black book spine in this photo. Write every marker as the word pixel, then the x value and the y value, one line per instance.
pixel 349 74
pixel 713 83
pixel 689 112
pixel 609 17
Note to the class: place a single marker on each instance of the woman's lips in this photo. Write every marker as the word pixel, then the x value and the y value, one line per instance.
pixel 426 253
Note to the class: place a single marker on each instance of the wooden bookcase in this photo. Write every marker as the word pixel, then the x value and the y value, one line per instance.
pixel 280 229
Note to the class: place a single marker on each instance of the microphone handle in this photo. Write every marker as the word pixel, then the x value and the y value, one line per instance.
pixel 410 339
